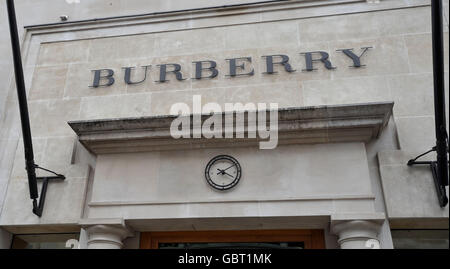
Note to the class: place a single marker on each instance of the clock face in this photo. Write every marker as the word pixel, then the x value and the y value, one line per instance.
pixel 223 172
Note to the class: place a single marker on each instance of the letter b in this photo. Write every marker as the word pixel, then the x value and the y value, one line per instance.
pixel 98 76
pixel 199 69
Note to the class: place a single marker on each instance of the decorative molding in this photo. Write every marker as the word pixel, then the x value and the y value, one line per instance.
pixel 299 125
pixel 210 201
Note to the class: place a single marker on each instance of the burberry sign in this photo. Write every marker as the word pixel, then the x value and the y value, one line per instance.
pixel 240 66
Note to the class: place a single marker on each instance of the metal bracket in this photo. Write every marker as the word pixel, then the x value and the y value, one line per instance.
pixel 440 188
pixel 438 183
pixel 38 208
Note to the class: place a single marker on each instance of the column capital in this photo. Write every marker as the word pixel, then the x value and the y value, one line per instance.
pixel 106 233
pixel 357 233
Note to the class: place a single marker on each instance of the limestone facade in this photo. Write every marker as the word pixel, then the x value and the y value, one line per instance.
pixel 351 188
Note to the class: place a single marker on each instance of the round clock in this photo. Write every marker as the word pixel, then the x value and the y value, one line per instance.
pixel 223 172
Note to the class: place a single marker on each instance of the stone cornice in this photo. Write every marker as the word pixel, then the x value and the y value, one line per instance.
pixel 202 12
pixel 299 125
pixel 264 11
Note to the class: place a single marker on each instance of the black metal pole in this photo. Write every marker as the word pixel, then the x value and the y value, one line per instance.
pixel 439 92
pixel 23 107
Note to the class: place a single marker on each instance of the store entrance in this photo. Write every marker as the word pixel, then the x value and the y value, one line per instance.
pixel 255 239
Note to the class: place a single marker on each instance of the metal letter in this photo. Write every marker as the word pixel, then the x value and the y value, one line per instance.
pixel 356 59
pixel 127 77
pixel 98 77
pixel 199 68
pixel 284 62
pixel 234 66
pixel 163 71
pixel 324 59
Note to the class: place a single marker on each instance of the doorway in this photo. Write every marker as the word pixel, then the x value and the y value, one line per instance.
pixel 254 239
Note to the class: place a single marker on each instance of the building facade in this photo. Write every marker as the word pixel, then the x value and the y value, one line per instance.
pixel 352 80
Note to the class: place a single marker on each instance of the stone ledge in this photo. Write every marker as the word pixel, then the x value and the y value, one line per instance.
pixel 116 222
pixel 297 125
pixel 376 217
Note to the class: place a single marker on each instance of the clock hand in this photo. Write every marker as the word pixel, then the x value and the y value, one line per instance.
pixel 229 175
pixel 229 167
pixel 224 173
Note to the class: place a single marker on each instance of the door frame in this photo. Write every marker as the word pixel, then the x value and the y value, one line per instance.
pixel 313 239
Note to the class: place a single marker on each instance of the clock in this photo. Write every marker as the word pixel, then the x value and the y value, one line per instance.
pixel 223 172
